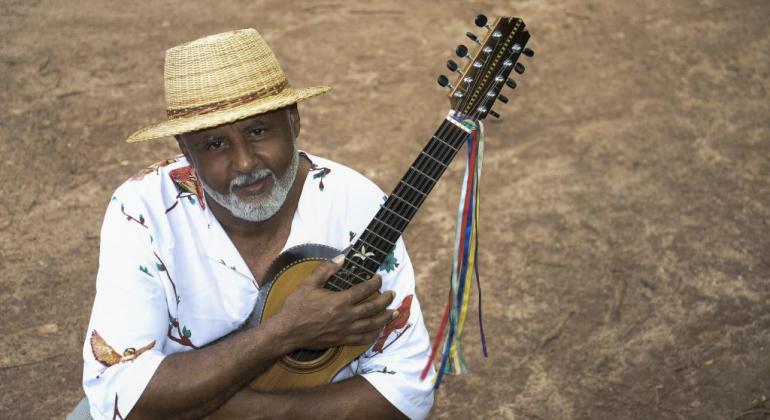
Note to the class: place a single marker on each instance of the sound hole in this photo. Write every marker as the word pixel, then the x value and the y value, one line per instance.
pixel 306 355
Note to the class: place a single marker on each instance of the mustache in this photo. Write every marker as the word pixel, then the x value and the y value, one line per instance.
pixel 250 178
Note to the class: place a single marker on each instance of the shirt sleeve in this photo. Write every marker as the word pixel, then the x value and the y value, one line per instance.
pixel 129 320
pixel 394 363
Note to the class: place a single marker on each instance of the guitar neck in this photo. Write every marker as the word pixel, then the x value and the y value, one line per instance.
pixel 378 240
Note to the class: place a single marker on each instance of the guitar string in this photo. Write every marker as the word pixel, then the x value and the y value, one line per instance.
pixel 421 185
pixel 429 167
pixel 414 182
pixel 453 151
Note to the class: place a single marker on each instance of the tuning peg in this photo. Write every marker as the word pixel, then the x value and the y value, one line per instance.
pixel 511 83
pixel 503 98
pixel 528 52
pixel 481 22
pixel 473 37
pixel 493 113
pixel 518 68
pixel 443 81
pixel 452 66
pixel 462 51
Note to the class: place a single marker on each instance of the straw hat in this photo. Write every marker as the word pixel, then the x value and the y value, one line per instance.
pixel 220 79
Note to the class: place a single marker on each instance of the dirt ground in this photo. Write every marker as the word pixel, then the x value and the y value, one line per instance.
pixel 625 237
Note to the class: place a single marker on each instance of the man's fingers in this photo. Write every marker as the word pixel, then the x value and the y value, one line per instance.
pixel 360 339
pixel 372 324
pixel 326 269
pixel 374 306
pixel 362 290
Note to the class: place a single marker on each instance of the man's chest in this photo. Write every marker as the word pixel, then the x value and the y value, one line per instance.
pixel 258 258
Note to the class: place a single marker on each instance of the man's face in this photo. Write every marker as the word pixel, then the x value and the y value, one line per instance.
pixel 248 166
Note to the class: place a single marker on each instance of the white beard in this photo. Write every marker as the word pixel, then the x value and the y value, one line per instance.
pixel 265 208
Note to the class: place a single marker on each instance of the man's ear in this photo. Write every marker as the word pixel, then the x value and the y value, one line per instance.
pixel 294 120
pixel 183 147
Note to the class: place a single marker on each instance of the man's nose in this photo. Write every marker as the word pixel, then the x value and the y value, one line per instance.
pixel 244 159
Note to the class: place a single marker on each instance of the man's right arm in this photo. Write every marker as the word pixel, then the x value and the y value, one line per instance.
pixel 195 383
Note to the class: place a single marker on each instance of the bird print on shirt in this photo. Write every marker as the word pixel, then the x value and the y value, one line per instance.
pixel 107 356
pixel 400 322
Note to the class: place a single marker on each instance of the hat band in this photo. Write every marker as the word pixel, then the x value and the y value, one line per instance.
pixel 228 103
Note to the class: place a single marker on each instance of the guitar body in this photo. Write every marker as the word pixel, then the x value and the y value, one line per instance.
pixel 306 368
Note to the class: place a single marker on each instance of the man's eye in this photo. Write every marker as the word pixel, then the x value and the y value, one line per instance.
pixel 214 145
pixel 256 132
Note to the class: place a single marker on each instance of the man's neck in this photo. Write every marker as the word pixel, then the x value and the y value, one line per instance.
pixel 238 228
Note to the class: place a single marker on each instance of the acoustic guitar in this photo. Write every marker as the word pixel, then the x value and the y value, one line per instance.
pixel 481 79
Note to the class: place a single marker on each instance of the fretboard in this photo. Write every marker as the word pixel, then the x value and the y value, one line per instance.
pixel 377 241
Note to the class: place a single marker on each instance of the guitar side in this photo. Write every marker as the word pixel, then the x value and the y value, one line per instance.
pixel 286 273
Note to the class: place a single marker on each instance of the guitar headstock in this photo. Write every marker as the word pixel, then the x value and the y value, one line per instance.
pixel 487 71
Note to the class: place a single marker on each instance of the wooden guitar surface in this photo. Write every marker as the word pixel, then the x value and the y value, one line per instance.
pixel 317 368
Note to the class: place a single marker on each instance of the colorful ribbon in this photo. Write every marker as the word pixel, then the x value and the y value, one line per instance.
pixel 464 266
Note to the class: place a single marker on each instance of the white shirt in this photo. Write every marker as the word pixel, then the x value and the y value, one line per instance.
pixel 170 280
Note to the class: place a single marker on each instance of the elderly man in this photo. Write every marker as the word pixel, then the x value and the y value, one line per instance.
pixel 186 245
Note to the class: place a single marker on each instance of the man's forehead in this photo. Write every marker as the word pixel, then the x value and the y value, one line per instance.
pixel 268 117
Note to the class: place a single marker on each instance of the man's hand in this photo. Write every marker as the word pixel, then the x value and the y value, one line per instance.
pixel 314 317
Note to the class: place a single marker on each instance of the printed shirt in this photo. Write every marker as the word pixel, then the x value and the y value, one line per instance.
pixel 170 280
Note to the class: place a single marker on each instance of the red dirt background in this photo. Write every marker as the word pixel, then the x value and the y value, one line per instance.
pixel 625 229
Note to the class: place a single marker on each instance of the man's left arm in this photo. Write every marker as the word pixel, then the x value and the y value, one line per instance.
pixel 352 398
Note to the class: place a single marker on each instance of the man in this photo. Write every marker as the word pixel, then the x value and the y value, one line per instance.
pixel 187 242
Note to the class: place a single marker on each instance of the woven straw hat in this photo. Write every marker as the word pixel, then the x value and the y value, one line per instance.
pixel 220 79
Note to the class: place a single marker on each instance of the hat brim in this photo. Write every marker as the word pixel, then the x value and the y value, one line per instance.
pixel 183 125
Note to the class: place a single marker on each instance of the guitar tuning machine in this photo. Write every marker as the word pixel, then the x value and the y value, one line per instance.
pixel 453 67
pixel 462 51
pixel 443 81
pixel 516 48
pixel 528 52
pixel 482 22
pixel 508 82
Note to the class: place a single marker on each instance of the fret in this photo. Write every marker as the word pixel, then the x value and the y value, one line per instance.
pixel 337 283
pixel 412 187
pixel 422 183
pixel 400 225
pixel 394 229
pixel 447 144
pixel 434 159
pixel 382 229
pixel 439 153
pixel 375 248
pixel 350 261
pixel 422 173
pixel 375 234
pixel 397 215
pixel 348 271
pixel 404 201
pixel 415 198
pixel 333 287
pixel 430 165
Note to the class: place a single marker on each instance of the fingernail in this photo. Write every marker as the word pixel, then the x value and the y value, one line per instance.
pixel 395 314
pixel 338 259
